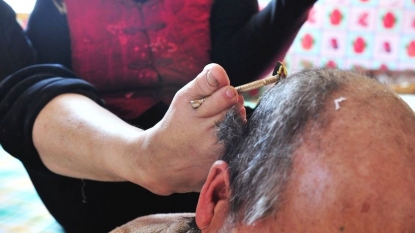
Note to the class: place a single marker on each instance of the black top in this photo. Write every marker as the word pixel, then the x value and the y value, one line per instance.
pixel 246 44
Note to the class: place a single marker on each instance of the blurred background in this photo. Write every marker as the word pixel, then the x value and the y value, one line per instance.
pixel 375 37
pixel 372 34
pixel 350 34
pixel 23 8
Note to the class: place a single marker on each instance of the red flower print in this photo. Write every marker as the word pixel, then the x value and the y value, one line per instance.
pixel 336 17
pixel 387 47
pixel 363 19
pixel 334 44
pixel 307 41
pixel 410 49
pixel 359 45
pixel 389 20
pixel 331 64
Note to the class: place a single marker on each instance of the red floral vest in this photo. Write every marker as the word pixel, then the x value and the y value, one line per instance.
pixel 138 54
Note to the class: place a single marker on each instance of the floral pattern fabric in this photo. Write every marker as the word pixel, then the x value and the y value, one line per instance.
pixel 353 34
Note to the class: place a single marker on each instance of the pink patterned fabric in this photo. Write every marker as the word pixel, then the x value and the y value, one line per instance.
pixel 369 34
pixel 139 54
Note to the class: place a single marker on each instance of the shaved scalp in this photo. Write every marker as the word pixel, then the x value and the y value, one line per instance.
pixel 260 152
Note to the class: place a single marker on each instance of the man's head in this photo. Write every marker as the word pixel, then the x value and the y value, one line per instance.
pixel 325 151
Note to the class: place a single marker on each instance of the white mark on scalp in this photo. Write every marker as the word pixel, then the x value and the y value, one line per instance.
pixel 337 102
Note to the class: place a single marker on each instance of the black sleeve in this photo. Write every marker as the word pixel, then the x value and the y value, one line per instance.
pixel 48 31
pixel 15 49
pixel 247 43
pixel 23 95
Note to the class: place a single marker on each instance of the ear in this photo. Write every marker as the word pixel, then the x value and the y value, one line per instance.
pixel 215 192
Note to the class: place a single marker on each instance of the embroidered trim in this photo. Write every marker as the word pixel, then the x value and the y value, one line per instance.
pixel 60 5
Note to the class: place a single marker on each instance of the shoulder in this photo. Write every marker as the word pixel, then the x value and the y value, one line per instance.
pixel 178 223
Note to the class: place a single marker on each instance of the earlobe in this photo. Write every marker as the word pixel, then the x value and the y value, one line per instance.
pixel 214 191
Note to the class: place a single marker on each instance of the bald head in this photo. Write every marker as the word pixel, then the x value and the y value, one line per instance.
pixel 355 170
pixel 325 151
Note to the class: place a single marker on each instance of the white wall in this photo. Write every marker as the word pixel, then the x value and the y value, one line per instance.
pixel 21 6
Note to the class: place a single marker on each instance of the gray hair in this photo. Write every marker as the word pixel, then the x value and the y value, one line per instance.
pixel 260 153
